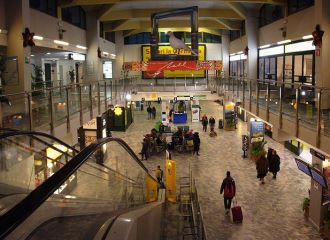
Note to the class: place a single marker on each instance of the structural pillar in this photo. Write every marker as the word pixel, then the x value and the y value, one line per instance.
pixel 93 62
pixel 119 38
pixel 251 28
pixel 225 52
pixel 17 19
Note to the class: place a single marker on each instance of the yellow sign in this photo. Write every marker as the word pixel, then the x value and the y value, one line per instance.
pixel 170 175
pixel 152 189
pixel 118 111
pixel 165 49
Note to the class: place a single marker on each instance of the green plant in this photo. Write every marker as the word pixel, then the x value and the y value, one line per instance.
pixel 72 75
pixel 37 76
pixel 306 203
pixel 257 149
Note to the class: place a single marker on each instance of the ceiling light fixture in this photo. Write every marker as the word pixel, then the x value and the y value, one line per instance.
pixel 307 37
pixel 113 55
pixel 105 53
pixel 31 55
pixel 264 46
pixel 81 47
pixel 61 42
pixel 283 42
pixel 48 53
pixel 38 38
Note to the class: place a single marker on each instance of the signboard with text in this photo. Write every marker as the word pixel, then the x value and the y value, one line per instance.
pixel 257 131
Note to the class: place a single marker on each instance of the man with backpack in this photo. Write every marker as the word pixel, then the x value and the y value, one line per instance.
pixel 228 189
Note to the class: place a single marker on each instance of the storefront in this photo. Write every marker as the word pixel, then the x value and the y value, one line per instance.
pixel 49 161
pixel 291 62
pixel 238 65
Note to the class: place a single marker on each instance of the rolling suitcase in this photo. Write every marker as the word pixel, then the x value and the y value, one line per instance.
pixel 237 213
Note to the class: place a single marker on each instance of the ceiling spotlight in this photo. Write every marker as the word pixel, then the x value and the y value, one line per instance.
pixel 61 42
pixel 38 38
pixel 48 53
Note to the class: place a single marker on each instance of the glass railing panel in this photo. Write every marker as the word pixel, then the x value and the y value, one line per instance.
pixel 247 90
pixel 289 101
pixel 25 163
pixel 262 95
pixel 59 105
pixel 254 92
pixel 74 105
pixel 41 109
pixel 274 98
pixel 325 112
pixel 85 98
pixel 94 94
pixel 308 107
pixel 89 197
pixel 16 112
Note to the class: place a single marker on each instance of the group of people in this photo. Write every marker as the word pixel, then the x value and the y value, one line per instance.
pixel 189 137
pixel 151 112
pixel 150 141
pixel 271 163
pixel 210 121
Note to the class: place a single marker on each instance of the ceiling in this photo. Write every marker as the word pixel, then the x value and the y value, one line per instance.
pixel 133 16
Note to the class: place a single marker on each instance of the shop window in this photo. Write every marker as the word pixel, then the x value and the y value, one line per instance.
pixel 269 13
pixel 298 5
pixel 46 6
pixel 75 15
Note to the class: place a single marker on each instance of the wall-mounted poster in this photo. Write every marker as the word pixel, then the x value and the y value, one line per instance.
pixel 257 131
pixel 195 113
pixel 107 69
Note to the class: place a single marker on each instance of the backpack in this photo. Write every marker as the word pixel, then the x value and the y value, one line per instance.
pixel 229 190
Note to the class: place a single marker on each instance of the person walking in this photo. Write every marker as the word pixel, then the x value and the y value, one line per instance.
pixel 228 188
pixel 159 174
pixel 144 151
pixel 274 163
pixel 212 123
pixel 153 111
pixel 204 122
pixel 149 112
pixel 197 143
pixel 262 168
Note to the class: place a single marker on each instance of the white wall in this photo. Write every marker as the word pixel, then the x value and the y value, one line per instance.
pixel 47 27
pixel 298 25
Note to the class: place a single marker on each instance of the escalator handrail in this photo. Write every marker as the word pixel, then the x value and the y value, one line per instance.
pixel 15 132
pixel 21 211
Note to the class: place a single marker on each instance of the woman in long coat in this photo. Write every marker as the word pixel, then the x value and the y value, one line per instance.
pixel 262 168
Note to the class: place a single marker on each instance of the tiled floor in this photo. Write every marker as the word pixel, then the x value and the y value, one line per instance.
pixel 271 211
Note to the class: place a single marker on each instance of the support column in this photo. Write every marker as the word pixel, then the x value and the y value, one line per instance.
pixel 93 62
pixel 251 28
pixel 322 62
pixel 225 52
pixel 17 19
pixel 119 38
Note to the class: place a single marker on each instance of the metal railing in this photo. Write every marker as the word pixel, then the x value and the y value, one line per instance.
pixel 301 104
pixel 46 108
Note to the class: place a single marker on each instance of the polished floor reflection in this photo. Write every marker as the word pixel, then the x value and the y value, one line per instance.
pixel 271 211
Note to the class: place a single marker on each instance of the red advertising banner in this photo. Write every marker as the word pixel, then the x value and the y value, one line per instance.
pixel 173 65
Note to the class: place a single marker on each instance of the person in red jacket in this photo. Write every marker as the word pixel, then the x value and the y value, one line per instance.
pixel 228 189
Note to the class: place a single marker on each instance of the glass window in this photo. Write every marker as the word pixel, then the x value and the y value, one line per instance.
pixel 261 68
pixel 279 69
pixel 272 69
pixel 75 16
pixel 46 6
pixel 308 68
pixel 266 76
pixel 298 5
pixel 297 73
pixel 269 13
pixel 288 69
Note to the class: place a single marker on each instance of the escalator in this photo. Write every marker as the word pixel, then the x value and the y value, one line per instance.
pixel 79 198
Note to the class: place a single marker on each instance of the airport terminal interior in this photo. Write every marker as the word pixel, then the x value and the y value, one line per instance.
pixel 165 120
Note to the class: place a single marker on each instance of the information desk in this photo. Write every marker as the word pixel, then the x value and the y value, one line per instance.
pixel 179 117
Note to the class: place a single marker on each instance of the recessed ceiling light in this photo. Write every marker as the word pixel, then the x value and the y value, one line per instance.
pixel 81 47
pixel 61 42
pixel 48 53
pixel 240 52
pixel 307 37
pixel 283 42
pixel 264 46
pixel 38 38
pixel 113 55
pixel 32 55
pixel 106 53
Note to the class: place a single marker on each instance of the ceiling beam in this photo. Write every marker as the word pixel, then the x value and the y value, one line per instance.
pixel 136 31
pixel 105 10
pixel 70 3
pixel 238 8
pixel 229 25
pixel 146 13
pixel 131 24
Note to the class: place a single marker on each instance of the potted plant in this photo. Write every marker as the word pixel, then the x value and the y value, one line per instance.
pixel 37 77
pixel 305 206
pixel 257 150
pixel 72 75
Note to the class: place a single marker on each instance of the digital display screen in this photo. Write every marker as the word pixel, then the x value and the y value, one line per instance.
pixel 302 166
pixel 318 177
